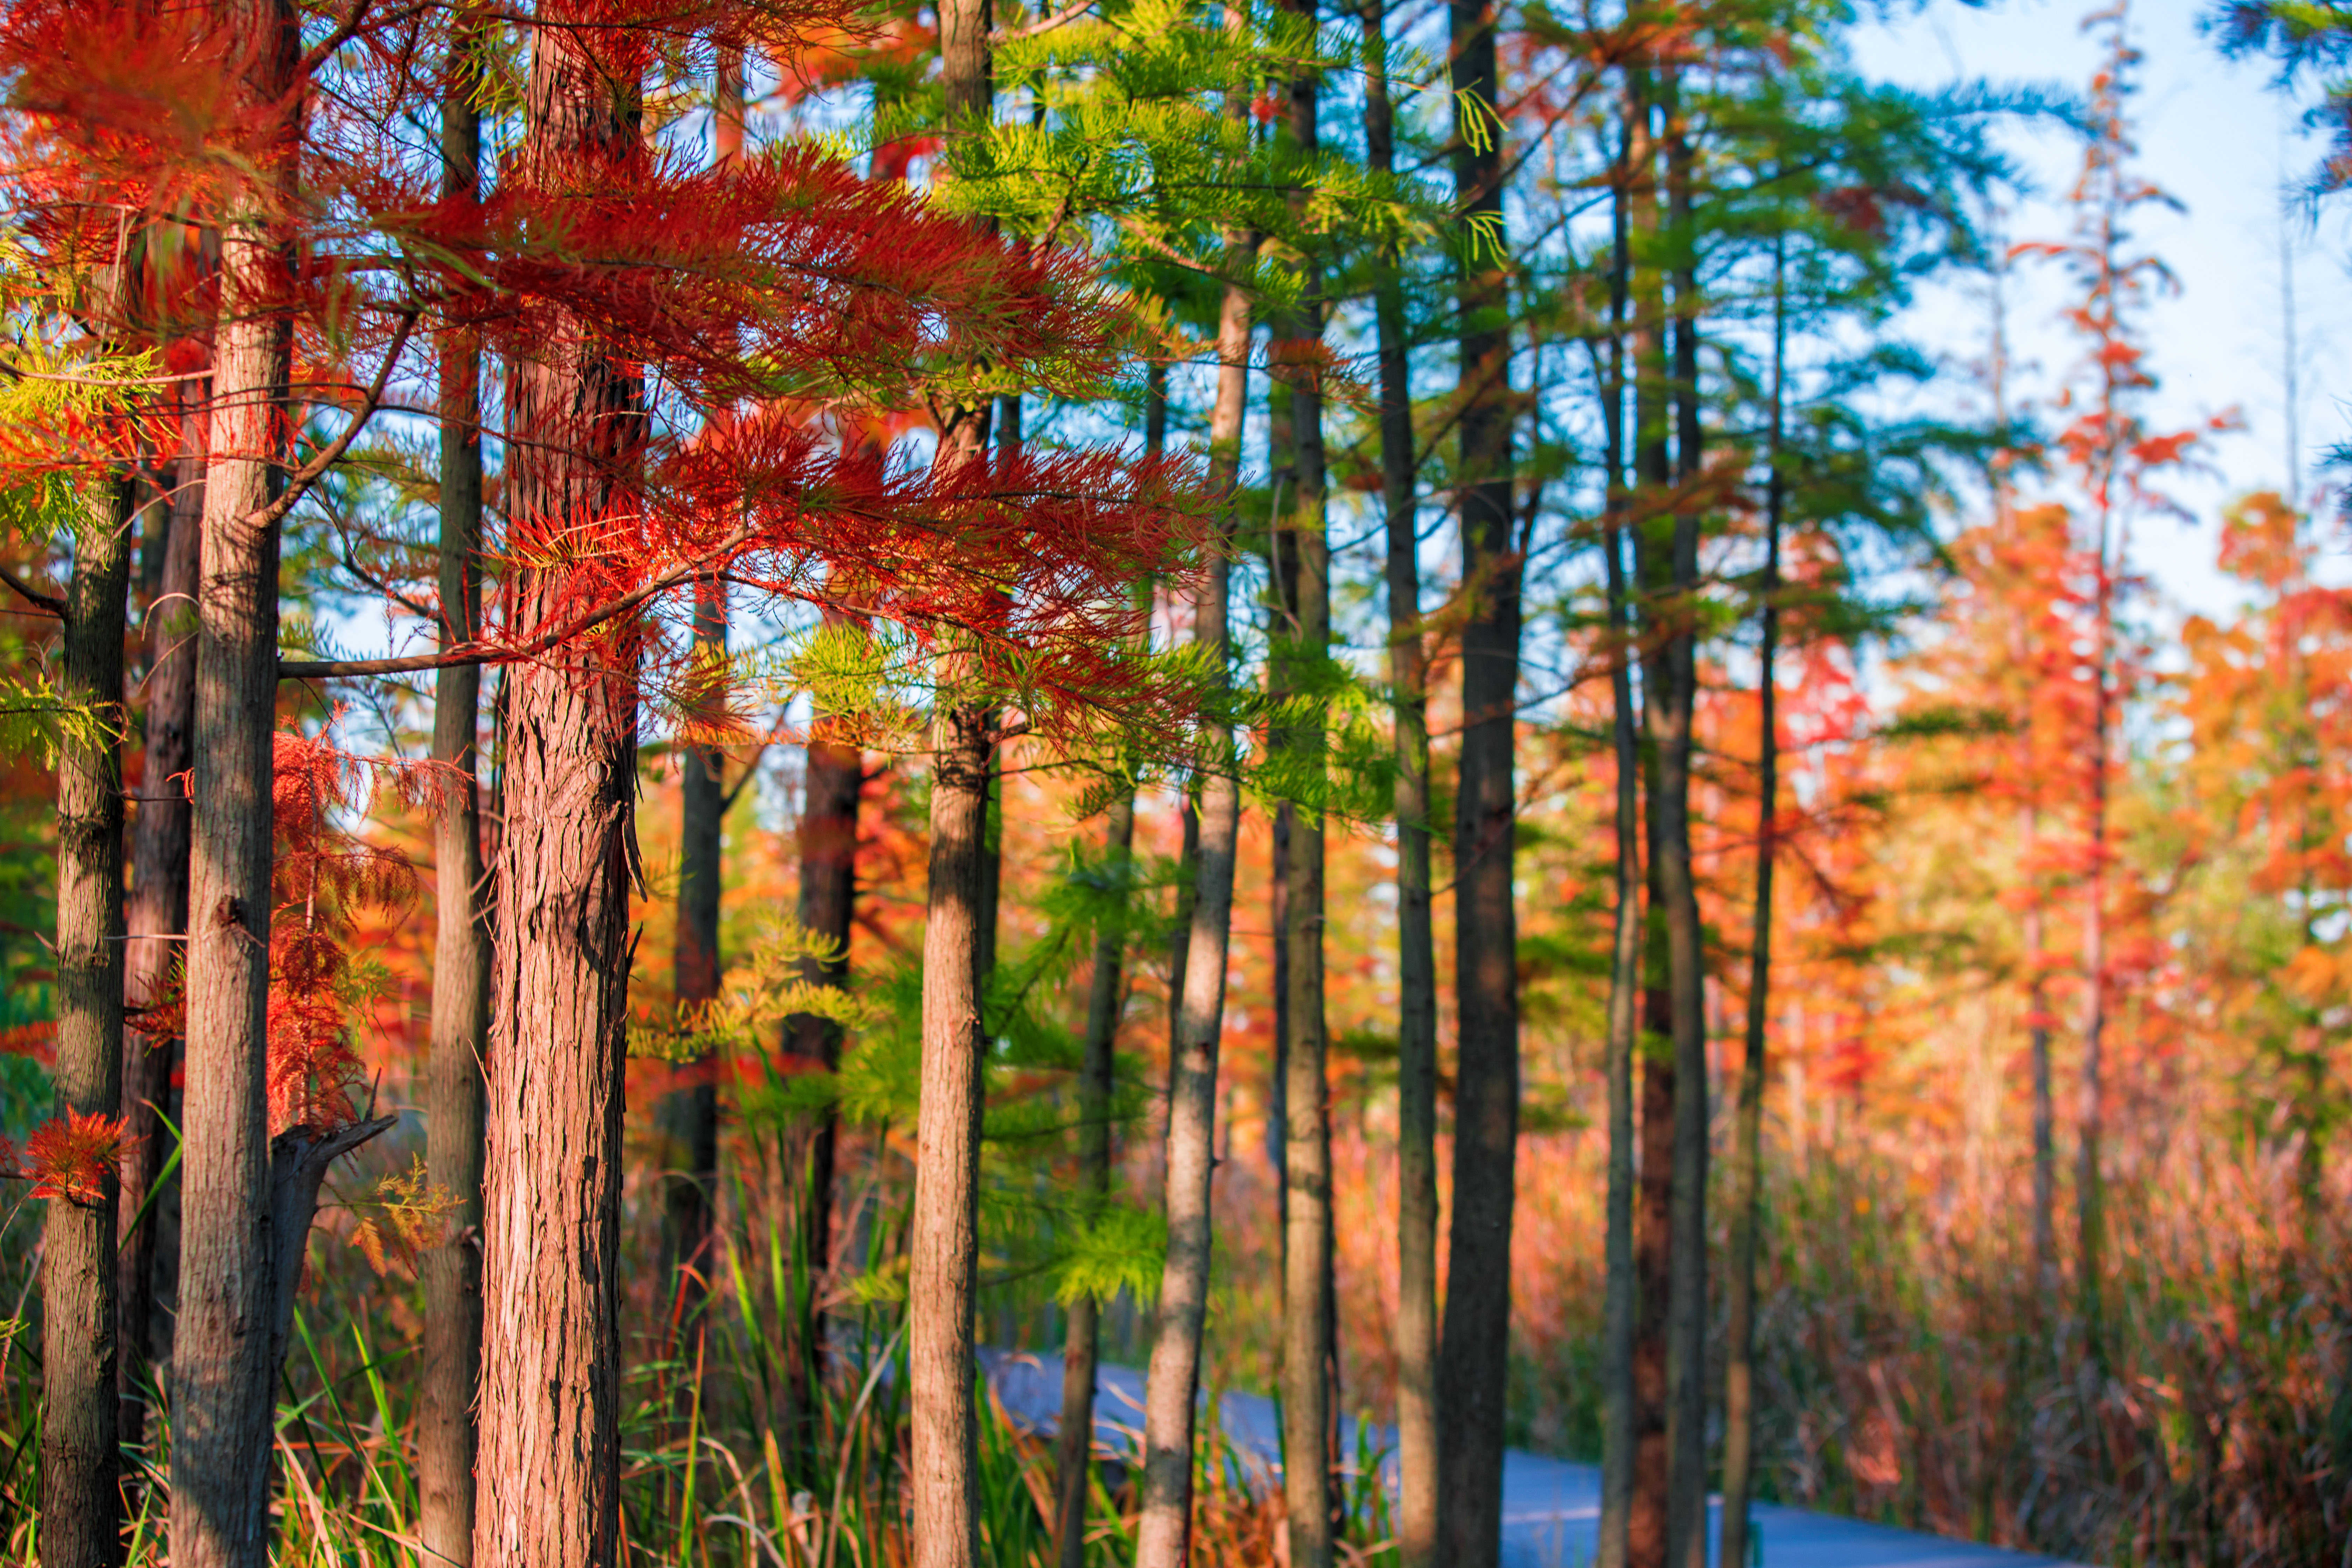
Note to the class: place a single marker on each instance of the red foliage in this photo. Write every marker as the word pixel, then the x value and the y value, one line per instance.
pixel 69 1156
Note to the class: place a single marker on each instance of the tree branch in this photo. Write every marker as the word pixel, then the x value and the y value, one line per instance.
pixel 45 601
pixel 486 653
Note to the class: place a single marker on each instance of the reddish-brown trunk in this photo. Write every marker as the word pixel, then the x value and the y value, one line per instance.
pixel 223 1379
pixel 1645 1523
pixel 548 1468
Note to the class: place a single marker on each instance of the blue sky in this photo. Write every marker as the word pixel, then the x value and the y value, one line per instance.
pixel 2220 140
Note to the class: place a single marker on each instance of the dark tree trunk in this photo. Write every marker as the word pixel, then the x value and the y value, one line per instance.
pixel 687 1116
pixel 221 1378
pixel 1619 1290
pixel 451 1273
pixel 1164 1534
pixel 1080 1343
pixel 548 1465
pixel 834 775
pixel 1646 1518
pixel 1686 1314
pixel 82 1492
pixel 1416 1326
pixel 1748 1147
pixel 157 913
pixel 1474 1363
pixel 1303 553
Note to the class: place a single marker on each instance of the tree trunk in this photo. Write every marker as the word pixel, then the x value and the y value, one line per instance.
pixel 451 1273
pixel 1747 1146
pixel 548 1468
pixel 1618 1297
pixel 221 1378
pixel 687 1116
pixel 2089 1208
pixel 1687 1315
pixel 1647 1526
pixel 1164 1534
pixel 1080 1343
pixel 1416 1326
pixel 1474 1363
pixel 834 774
pixel 156 915
pixel 1309 1351
pixel 82 1492
pixel 944 1241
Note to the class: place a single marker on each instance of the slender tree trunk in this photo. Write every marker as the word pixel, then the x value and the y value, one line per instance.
pixel 156 915
pixel 944 1241
pixel 1747 1146
pixel 1618 1299
pixel 1416 1326
pixel 1474 1363
pixel 81 1490
pixel 451 1273
pixel 834 774
pixel 943 1482
pixel 1282 621
pixel 1646 1527
pixel 1686 1314
pixel 2045 1152
pixel 1080 1343
pixel 2089 1196
pixel 687 1115
pixel 1309 1351
pixel 548 1466
pixel 1164 1534
pixel 222 1377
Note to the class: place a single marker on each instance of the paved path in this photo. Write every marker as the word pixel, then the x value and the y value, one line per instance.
pixel 1551 1509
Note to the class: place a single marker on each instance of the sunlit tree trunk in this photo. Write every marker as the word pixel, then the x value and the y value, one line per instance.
pixel 549 1460
pixel 1475 1355
pixel 1416 1326
pixel 1164 1533
pixel 451 1273
pixel 156 916
pixel 223 1380
pixel 1748 1134
pixel 82 1492
pixel 943 1240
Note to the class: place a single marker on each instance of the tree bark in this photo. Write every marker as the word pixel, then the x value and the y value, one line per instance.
pixel 1747 1146
pixel 834 774
pixel 548 1466
pixel 1474 1365
pixel 1686 1314
pixel 1416 1326
pixel 451 1273
pixel 1618 1299
pixel 1080 1343
pixel 1646 1518
pixel 687 1116
pixel 222 1377
pixel 1309 1349
pixel 82 1492
pixel 157 913
pixel 1164 1533
pixel 943 1240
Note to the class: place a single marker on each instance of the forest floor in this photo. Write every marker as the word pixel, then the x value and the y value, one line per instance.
pixel 1552 1508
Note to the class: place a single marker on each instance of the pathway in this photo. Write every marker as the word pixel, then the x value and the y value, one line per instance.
pixel 1551 1509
